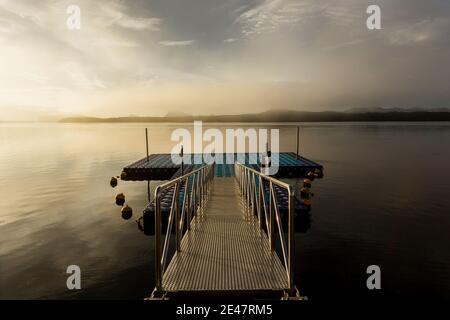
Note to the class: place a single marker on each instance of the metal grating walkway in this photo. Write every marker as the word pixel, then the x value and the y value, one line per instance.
pixel 225 250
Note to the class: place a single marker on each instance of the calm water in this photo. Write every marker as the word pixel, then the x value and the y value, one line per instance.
pixel 385 200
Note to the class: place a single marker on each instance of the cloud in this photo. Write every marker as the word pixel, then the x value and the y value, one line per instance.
pixel 140 23
pixel 269 15
pixel 80 77
pixel 309 54
pixel 183 43
pixel 114 13
pixel 7 26
pixel 117 43
pixel 429 30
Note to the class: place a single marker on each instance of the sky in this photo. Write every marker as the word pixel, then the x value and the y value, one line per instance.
pixel 153 57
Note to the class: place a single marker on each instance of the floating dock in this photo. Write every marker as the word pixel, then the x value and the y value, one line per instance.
pixel 161 166
pixel 234 227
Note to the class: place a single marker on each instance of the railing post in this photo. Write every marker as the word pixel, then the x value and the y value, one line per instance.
pixel 158 267
pixel 250 194
pixel 241 177
pixel 244 195
pixel 188 203
pixel 196 193
pixel 247 191
pixel 177 214
pixel 260 199
pixel 202 187
pixel 253 198
pixel 291 252
pixel 271 215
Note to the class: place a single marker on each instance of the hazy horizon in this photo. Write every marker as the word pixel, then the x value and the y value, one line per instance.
pixel 150 58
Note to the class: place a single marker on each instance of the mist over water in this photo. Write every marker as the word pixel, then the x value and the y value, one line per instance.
pixel 384 200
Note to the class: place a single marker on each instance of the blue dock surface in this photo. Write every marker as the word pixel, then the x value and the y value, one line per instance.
pixel 161 166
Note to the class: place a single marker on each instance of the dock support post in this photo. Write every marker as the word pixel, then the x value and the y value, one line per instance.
pixel 291 235
pixel 298 141
pixel 158 269
pixel 146 142
pixel 149 195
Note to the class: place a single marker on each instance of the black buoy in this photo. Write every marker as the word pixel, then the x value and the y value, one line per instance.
pixel 307 183
pixel 113 182
pixel 120 199
pixel 305 193
pixel 127 212
pixel 307 203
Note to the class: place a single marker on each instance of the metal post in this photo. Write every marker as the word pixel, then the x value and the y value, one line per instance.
pixel 298 141
pixel 291 235
pixel 188 204
pixel 194 194
pixel 253 186
pixel 197 198
pixel 146 142
pixel 248 193
pixel 271 215
pixel 202 184
pixel 158 267
pixel 182 161
pixel 245 192
pixel 260 203
pixel 177 215
pixel 197 205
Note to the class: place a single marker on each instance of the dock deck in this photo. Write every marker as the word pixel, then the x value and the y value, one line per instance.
pixel 225 249
pixel 161 166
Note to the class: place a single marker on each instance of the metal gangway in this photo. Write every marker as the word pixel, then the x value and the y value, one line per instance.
pixel 227 234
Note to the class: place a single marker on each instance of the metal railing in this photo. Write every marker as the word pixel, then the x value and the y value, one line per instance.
pixel 254 187
pixel 194 191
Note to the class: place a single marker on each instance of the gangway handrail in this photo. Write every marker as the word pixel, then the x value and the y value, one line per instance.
pixel 254 196
pixel 196 184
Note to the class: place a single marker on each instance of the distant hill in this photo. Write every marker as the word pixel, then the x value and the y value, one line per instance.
pixel 388 110
pixel 283 116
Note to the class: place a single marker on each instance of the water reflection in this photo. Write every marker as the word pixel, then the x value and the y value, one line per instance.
pixel 373 207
